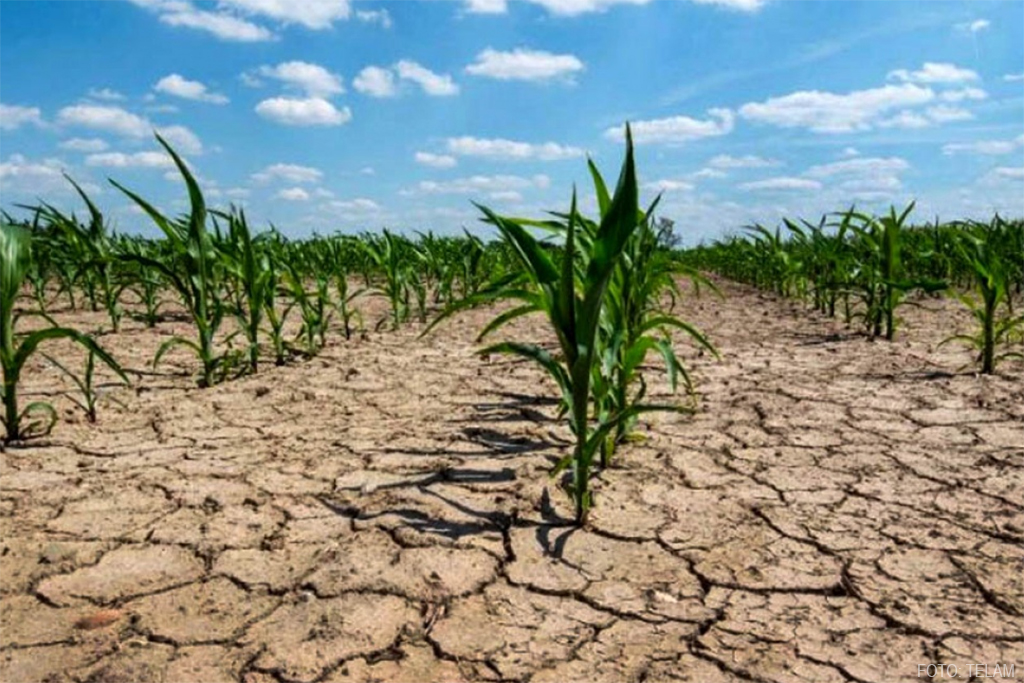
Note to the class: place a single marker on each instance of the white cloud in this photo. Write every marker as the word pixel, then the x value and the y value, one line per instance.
pixel 312 111
pixel 181 139
pixel 293 194
pixel 237 192
pixel 1012 172
pixel 134 160
pixel 105 94
pixel 974 26
pixel 523 64
pixel 570 8
pixel 935 72
pixel 826 112
pixel 963 94
pixel 313 14
pixel 478 184
pixel 358 205
pixel 292 173
pixel 505 150
pixel 18 168
pixel 224 26
pixel 313 79
pixel 506 196
pixel 179 86
pixel 851 152
pixel 367 170
pixel 669 185
pixel 1010 78
pixel 13 116
pixel 379 16
pixel 859 167
pixel 985 147
pixel 106 118
pixel 435 160
pixel 748 161
pixel 676 129
pixel 742 5
pixel 378 81
pixel 486 6
pixel 781 184
pixel 375 81
pixel 439 85
pixel 577 7
pixel 906 119
pixel 708 173
pixel 84 145
pixel 945 114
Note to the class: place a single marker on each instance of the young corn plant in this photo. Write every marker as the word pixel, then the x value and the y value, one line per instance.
pixel 979 246
pixel 94 253
pixel 385 252
pixel 16 349
pixel 193 270
pixel 572 296
pixel 86 384
pixel 882 278
pixel 249 272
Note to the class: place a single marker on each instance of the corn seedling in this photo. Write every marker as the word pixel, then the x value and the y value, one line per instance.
pixel 978 245
pixel 192 269
pixel 15 349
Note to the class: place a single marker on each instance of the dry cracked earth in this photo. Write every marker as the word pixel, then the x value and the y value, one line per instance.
pixel 835 510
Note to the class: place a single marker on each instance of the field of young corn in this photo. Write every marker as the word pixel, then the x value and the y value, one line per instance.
pixel 570 452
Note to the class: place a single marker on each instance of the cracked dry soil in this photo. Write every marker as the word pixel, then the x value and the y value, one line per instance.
pixel 836 510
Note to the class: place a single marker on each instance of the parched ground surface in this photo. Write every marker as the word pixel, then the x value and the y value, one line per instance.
pixel 836 510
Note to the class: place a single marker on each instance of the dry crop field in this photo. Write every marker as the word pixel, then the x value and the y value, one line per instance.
pixel 826 505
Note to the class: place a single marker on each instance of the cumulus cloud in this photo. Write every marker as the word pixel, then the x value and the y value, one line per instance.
pixel 439 85
pixel 747 161
pixel 974 26
pixel 293 194
pixel 84 145
pixel 310 111
pixel 183 140
pixel 379 81
pixel 505 150
pixel 983 147
pixel 668 185
pixel 435 160
pixel 17 167
pixel 963 94
pixel 826 112
pixel 179 86
pixel 105 94
pixel 291 173
pixel 357 205
pixel 571 8
pixel 523 64
pixel 134 160
pixel 312 79
pixel 312 14
pixel 377 16
pixel 223 26
pixel 935 72
pixel 480 183
pixel 375 81
pixel 13 116
pixel 859 166
pixel 782 183
pixel 107 118
pixel 1011 78
pixel 676 129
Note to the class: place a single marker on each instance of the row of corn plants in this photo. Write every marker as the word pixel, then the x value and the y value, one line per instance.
pixel 866 267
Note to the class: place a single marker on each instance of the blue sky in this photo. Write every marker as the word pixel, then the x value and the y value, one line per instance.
pixel 347 115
